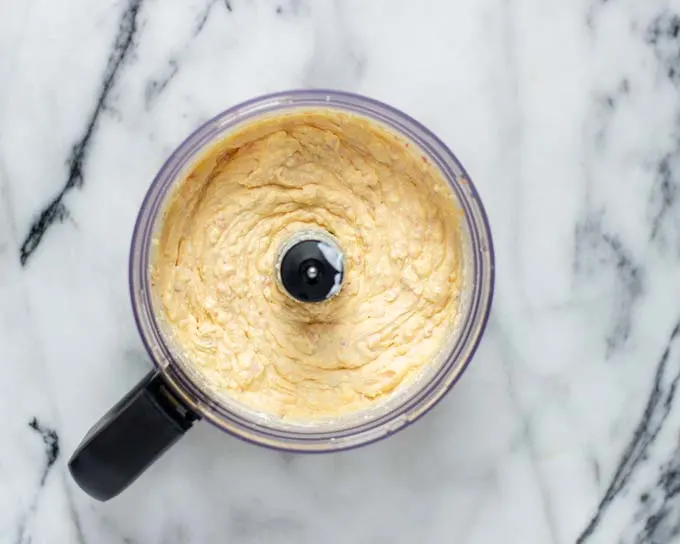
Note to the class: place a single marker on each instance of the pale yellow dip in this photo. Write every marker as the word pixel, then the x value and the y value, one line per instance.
pixel 214 268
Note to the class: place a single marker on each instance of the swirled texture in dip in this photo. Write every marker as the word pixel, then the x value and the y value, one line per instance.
pixel 214 277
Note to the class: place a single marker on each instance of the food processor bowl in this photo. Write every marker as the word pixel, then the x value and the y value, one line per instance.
pixel 182 395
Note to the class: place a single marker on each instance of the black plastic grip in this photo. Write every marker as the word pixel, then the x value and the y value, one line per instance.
pixel 129 438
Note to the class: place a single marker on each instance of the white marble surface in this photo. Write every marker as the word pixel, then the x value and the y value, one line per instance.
pixel 565 429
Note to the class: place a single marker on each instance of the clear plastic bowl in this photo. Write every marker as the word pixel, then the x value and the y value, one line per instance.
pixel 402 409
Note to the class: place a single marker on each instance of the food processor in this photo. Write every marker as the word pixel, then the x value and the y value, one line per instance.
pixel 310 268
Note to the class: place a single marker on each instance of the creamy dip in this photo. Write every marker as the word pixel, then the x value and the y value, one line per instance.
pixel 214 276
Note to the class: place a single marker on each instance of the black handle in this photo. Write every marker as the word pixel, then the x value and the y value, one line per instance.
pixel 131 436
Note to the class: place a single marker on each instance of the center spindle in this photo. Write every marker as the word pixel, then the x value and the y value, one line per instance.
pixel 311 267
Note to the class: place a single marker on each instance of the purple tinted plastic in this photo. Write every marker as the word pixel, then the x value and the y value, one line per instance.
pixel 481 281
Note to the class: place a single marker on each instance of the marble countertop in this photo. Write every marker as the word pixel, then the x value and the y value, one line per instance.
pixel 565 429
